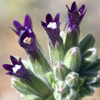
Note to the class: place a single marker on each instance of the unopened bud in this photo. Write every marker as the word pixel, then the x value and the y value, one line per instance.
pixel 72 79
pixel 73 58
pixel 61 87
pixel 91 55
pixel 60 70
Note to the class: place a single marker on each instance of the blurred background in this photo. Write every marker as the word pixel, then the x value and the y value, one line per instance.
pixel 37 9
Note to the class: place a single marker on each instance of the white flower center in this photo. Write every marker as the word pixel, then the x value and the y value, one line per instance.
pixel 16 68
pixel 52 25
pixel 27 40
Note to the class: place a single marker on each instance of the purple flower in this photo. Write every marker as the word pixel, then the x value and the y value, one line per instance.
pixel 75 16
pixel 27 25
pixel 27 38
pixel 17 69
pixel 52 28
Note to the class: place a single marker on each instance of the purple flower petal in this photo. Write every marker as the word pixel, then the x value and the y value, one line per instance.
pixel 20 30
pixel 43 24
pixel 73 7
pixel 75 16
pixel 15 31
pixel 57 18
pixel 82 8
pixel 12 74
pixel 49 18
pixel 68 9
pixel 16 24
pixel 81 17
pixel 17 70
pixel 7 67
pixel 28 22
pixel 20 60
pixel 20 63
pixel 13 60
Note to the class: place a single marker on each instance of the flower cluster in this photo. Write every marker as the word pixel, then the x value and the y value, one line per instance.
pixel 73 72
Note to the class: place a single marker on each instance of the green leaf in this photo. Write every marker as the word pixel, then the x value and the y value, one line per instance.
pixel 86 43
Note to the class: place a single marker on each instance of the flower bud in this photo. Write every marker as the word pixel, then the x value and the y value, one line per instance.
pixel 91 55
pixel 86 43
pixel 72 79
pixel 61 87
pixel 88 57
pixel 73 58
pixel 60 70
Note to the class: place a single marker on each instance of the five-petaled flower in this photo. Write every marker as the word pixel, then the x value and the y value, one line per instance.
pixel 27 38
pixel 17 68
pixel 75 16
pixel 52 28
